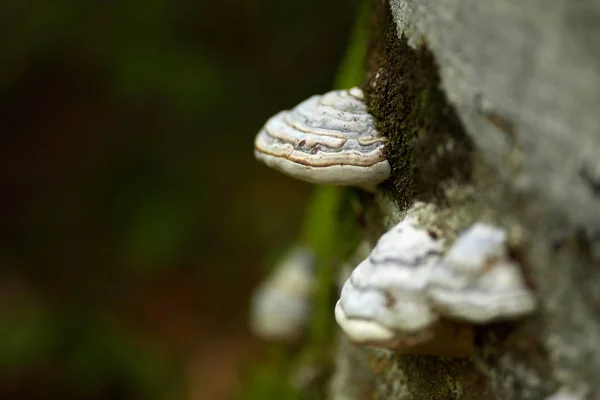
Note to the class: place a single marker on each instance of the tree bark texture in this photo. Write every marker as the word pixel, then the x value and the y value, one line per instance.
pixel 492 110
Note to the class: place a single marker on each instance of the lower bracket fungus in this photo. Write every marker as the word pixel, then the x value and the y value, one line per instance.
pixel 384 301
pixel 328 139
pixel 281 306
pixel 478 282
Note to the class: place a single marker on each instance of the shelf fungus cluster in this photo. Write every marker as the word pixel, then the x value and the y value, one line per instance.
pixel 281 306
pixel 412 296
pixel 327 139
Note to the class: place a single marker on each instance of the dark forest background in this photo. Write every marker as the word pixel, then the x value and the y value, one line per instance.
pixel 135 220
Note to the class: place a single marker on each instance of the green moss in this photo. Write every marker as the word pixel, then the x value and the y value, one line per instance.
pixel 434 378
pixel 427 144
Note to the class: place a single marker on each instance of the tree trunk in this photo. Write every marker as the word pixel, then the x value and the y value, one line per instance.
pixel 492 110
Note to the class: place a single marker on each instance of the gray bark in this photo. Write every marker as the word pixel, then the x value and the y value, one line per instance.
pixel 523 80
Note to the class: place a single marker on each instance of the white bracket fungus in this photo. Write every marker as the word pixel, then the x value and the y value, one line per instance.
pixel 478 282
pixel 384 302
pixel 328 139
pixel 409 296
pixel 281 306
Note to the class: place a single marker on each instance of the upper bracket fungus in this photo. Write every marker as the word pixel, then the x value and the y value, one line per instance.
pixel 327 139
pixel 281 306
pixel 478 282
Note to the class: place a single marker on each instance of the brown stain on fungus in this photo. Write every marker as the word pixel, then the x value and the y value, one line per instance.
pixel 390 300
pixel 501 123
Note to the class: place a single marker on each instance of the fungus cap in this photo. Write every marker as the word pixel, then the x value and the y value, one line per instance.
pixel 327 139
pixel 478 282
pixel 384 299
pixel 281 306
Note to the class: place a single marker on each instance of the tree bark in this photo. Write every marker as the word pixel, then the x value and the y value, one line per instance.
pixel 492 110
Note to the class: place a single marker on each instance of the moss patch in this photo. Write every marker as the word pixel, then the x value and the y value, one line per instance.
pixel 434 378
pixel 427 378
pixel 427 144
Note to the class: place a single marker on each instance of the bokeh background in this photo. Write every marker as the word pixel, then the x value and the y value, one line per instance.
pixel 135 221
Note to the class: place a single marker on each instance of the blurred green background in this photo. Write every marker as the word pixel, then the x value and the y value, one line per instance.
pixel 135 220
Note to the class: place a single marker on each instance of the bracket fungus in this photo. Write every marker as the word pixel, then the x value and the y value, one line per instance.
pixel 478 282
pixel 281 306
pixel 327 139
pixel 384 301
